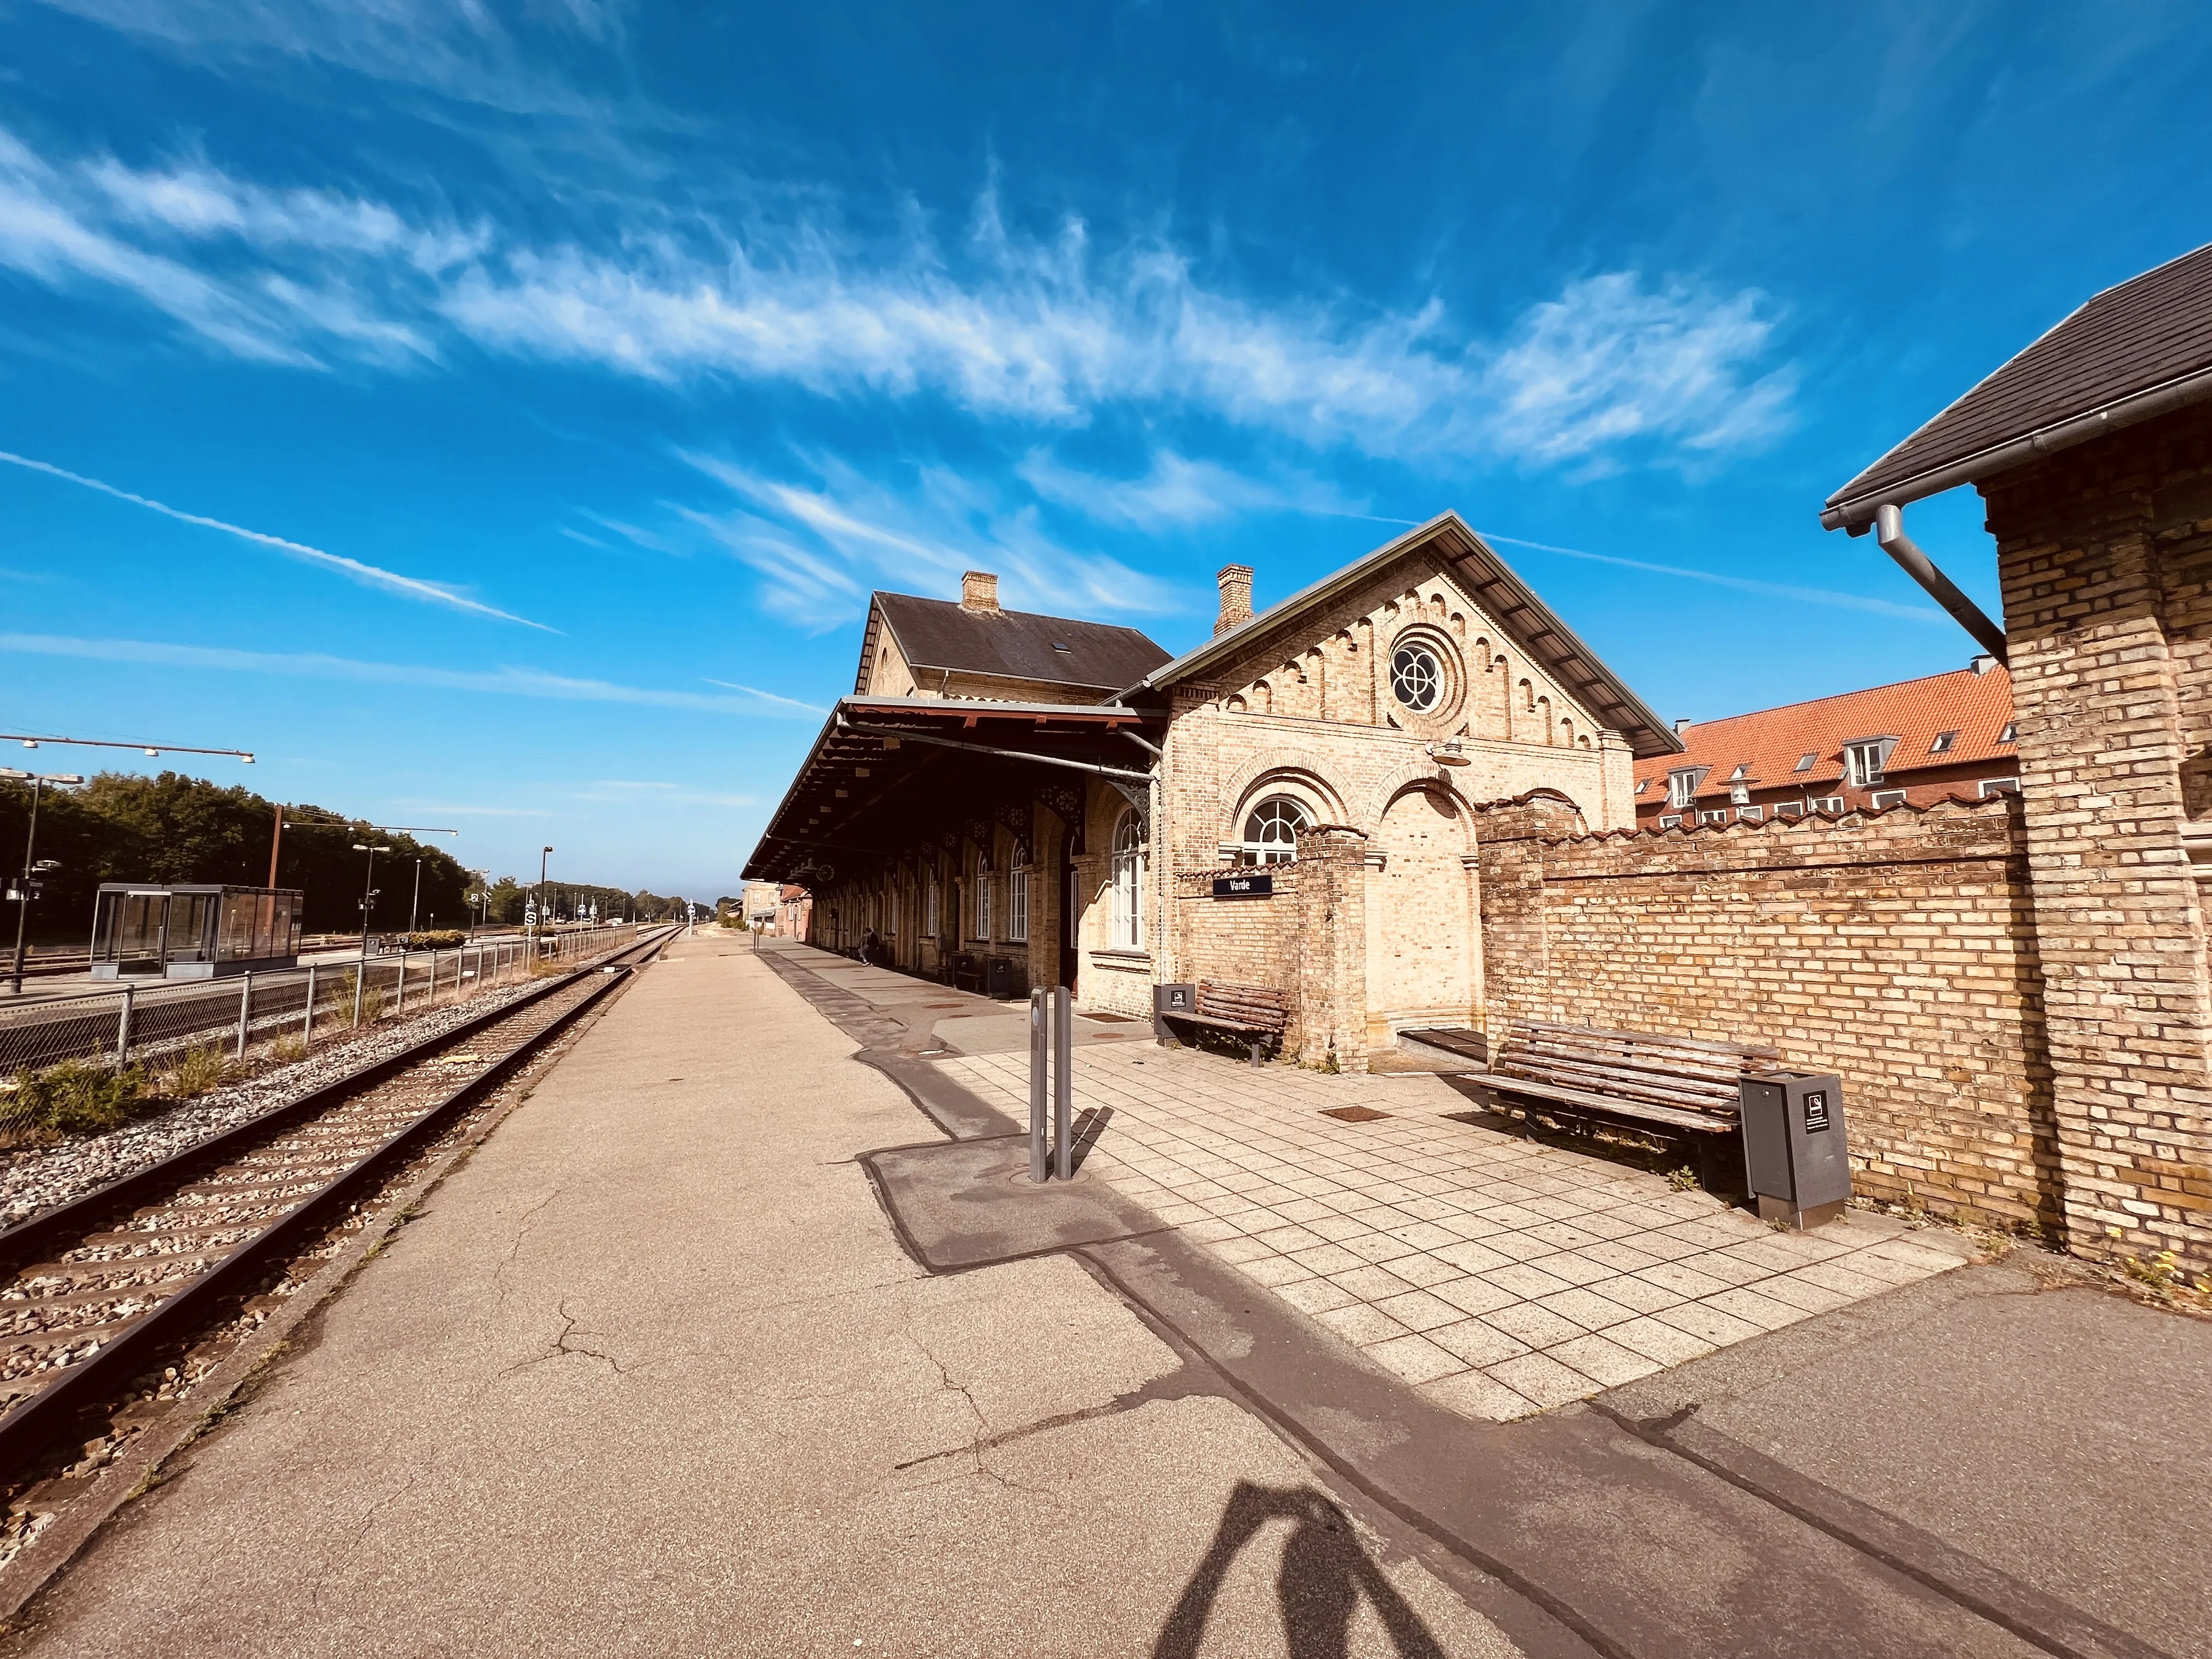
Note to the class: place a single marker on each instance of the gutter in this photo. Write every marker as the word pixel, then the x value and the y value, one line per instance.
pixel 1856 514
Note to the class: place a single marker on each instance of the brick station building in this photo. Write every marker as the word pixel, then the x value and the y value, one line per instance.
pixel 1057 796
pixel 1939 738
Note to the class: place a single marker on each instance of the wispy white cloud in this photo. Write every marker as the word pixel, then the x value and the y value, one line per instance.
pixel 1009 329
pixel 767 697
pixel 1176 490
pixel 1920 613
pixel 368 576
pixel 504 681
pixel 821 544
pixel 449 809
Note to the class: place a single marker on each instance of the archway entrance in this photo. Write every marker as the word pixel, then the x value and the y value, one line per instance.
pixel 1421 939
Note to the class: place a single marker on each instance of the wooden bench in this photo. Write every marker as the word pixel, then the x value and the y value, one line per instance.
pixel 1682 1086
pixel 1257 1013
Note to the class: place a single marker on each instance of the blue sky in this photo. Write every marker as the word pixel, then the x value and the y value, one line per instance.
pixel 497 416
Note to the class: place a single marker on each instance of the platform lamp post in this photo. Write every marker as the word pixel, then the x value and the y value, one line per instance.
pixel 539 900
pixel 414 904
pixel 367 898
pixel 29 885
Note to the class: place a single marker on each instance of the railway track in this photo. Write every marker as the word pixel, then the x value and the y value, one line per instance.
pixel 100 1289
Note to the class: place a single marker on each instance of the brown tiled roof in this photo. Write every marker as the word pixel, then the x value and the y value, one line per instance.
pixel 2148 330
pixel 1977 707
pixel 938 634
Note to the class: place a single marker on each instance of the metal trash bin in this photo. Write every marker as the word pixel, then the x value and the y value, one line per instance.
pixel 1167 999
pixel 999 978
pixel 1795 1159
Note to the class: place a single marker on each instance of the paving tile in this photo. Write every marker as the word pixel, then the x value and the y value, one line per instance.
pixel 1474 1295
pixel 1274 1270
pixel 1603 1361
pixel 1725 1265
pixel 1666 1249
pixel 1305 1211
pixel 1361 1324
pixel 1768 1253
pixel 1563 1234
pixel 1683 1281
pixel 1745 1302
pixel 1424 1270
pixel 1525 1280
pixel 1524 1321
pixel 1587 1308
pixel 1654 1340
pixel 1706 1322
pixel 1880 1262
pixel 1543 1380
pixel 1328 1259
pixel 1574 1267
pixel 1832 1275
pixel 1371 1284
pixel 1285 1240
pixel 1802 1293
pixel 1337 1228
pixel 1476 1342
pixel 1240 1248
pixel 1316 1295
pixel 1469 1257
pixel 1415 1359
pixel 1181 1215
pixel 1417 1311
pixel 1511 1215
pixel 1640 1294
pixel 1470 1394
pixel 1520 1246
pixel 1622 1257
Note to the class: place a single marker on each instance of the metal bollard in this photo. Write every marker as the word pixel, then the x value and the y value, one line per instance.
pixel 1038 1046
pixel 307 1020
pixel 1063 1083
pixel 244 1010
pixel 123 1026
pixel 399 1005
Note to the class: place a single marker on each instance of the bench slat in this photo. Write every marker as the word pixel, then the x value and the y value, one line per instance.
pixel 1642 1096
pixel 1643 1084
pixel 1760 1050
pixel 1698 1122
pixel 1647 1059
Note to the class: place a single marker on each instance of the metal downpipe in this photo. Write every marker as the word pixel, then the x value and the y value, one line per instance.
pixel 1889 531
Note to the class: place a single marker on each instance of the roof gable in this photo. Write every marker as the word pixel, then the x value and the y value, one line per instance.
pixel 2151 332
pixel 937 635
pixel 1490 583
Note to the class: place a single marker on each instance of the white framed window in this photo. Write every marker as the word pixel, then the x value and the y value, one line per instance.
pixel 1751 814
pixel 1827 804
pixel 1670 821
pixel 1272 831
pixel 1017 897
pixel 1788 809
pixel 1999 786
pixel 1682 786
pixel 1129 883
pixel 931 907
pixel 1884 797
pixel 982 897
pixel 1863 760
pixel 1417 678
pixel 1711 816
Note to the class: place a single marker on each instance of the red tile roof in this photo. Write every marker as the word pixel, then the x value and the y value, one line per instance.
pixel 1977 707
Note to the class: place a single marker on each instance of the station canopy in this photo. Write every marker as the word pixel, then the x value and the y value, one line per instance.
pixel 888 775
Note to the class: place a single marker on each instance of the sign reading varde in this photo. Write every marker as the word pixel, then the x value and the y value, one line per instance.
pixel 1253 886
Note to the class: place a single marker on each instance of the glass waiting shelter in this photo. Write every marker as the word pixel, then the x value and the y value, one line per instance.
pixel 192 931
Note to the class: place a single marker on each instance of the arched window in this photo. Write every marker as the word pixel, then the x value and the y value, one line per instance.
pixel 1017 894
pixel 1128 882
pixel 1272 831
pixel 983 895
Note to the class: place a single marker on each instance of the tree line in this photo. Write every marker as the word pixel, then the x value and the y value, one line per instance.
pixel 126 827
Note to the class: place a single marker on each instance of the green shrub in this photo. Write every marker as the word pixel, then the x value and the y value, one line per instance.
pixel 445 938
pixel 80 1097
pixel 197 1071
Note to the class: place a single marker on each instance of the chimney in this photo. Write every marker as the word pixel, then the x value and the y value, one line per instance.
pixel 979 591
pixel 1235 581
pixel 1679 724
pixel 1982 665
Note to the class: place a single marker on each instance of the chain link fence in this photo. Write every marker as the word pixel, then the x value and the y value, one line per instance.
pixel 178 1038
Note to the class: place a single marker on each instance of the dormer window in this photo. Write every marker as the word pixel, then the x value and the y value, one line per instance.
pixel 1057 646
pixel 1682 786
pixel 1863 760
pixel 1741 772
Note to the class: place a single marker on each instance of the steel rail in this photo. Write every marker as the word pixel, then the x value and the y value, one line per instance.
pixel 34 1422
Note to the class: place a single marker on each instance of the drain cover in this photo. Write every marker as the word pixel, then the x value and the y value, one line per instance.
pixel 1354 1114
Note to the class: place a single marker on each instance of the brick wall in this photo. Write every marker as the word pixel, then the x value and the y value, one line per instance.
pixel 1895 949
pixel 2105 554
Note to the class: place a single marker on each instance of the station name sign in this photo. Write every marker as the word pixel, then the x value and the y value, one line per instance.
pixel 1253 886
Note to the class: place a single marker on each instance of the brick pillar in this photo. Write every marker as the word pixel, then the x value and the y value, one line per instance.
pixel 1331 1015
pixel 2100 682
pixel 1509 838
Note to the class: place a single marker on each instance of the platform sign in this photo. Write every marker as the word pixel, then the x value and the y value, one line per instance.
pixel 1244 886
